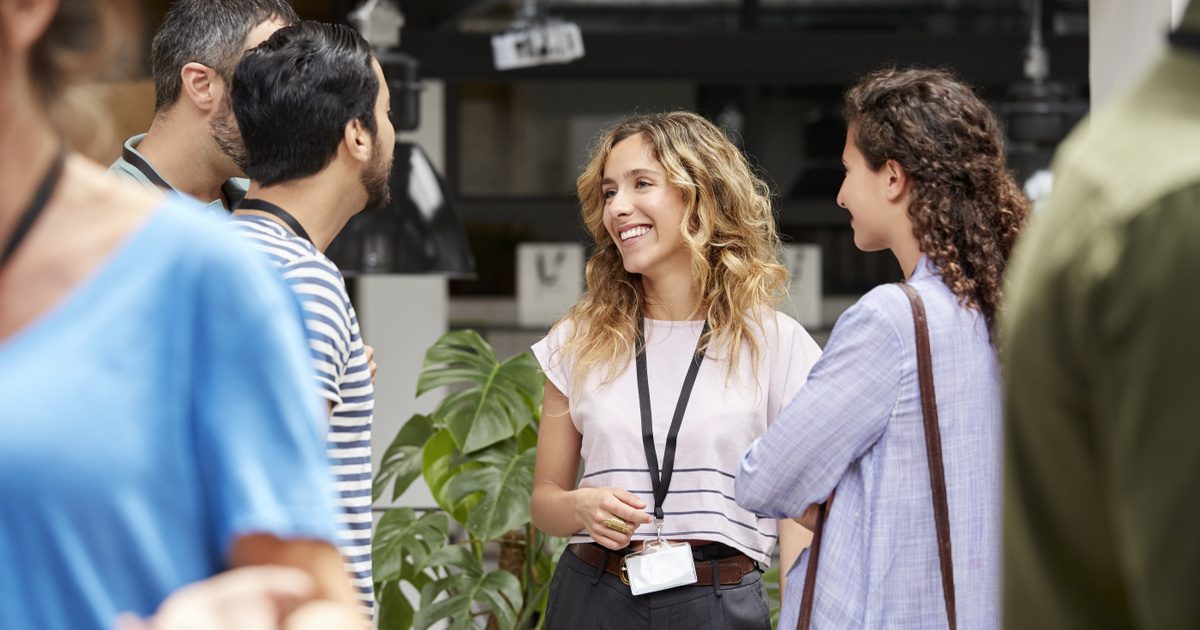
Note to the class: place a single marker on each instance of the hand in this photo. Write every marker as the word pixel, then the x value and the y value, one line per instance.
pixel 249 598
pixel 594 505
pixel 809 519
pixel 371 365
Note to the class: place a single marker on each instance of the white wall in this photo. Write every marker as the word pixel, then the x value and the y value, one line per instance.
pixel 1125 35
pixel 402 315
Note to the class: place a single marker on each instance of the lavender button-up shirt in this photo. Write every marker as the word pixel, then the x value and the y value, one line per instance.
pixel 856 427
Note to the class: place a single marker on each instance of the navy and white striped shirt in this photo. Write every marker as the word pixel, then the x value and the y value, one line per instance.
pixel 342 374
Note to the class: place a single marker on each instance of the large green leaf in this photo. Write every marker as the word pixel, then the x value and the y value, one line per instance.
pixel 771 581
pixel 402 460
pixel 402 538
pixel 503 482
pixel 496 400
pixel 441 462
pixel 395 611
pixel 468 592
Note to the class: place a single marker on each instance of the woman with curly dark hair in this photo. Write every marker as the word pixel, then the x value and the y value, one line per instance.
pixel 926 178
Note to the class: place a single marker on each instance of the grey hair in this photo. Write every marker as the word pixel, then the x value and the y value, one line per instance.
pixel 210 32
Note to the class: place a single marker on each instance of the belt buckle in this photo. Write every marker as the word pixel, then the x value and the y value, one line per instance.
pixel 624 572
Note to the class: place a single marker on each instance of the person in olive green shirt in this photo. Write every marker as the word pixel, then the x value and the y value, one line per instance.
pixel 1102 351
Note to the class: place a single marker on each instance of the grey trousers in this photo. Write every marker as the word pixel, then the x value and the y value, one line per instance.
pixel 584 597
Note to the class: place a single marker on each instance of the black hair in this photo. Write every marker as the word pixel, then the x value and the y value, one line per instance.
pixel 294 95
pixel 210 32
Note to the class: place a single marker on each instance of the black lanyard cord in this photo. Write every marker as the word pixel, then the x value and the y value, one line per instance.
pixel 277 212
pixel 138 162
pixel 663 484
pixel 33 211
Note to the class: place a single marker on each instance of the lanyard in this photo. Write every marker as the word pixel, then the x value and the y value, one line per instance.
pixel 41 197
pixel 660 486
pixel 278 213
pixel 140 163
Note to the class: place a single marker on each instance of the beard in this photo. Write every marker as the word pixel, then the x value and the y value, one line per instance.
pixel 375 179
pixel 224 130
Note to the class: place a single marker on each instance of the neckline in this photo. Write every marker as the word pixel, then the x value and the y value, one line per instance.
pixel 277 229
pixel 924 269
pixel 78 297
pixel 676 322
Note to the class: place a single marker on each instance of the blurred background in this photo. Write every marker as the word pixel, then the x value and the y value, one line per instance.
pixel 496 102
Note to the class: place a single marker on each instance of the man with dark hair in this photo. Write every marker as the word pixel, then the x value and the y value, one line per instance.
pixel 312 106
pixel 193 144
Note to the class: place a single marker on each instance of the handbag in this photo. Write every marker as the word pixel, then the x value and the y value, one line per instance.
pixel 937 477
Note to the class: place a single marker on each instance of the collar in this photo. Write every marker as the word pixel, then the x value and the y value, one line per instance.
pixel 130 154
pixel 924 269
pixel 232 191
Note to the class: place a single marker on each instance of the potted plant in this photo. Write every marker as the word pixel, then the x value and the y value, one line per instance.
pixel 476 453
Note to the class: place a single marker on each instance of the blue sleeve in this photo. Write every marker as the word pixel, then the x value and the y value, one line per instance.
pixel 839 413
pixel 259 427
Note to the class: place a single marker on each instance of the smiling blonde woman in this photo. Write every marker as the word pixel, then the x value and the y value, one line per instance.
pixel 673 360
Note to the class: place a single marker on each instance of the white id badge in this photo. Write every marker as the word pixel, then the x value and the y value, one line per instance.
pixel 659 566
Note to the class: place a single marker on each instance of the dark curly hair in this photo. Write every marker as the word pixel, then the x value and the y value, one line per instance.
pixel 966 209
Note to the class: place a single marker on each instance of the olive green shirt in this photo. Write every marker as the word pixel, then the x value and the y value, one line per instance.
pixel 1102 352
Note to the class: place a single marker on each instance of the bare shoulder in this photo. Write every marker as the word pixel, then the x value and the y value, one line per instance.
pixel 113 199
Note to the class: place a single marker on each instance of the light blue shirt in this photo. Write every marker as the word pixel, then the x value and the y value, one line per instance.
pixel 134 166
pixel 856 426
pixel 160 411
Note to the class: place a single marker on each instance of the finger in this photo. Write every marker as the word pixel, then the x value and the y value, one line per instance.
pixel 130 622
pixel 634 518
pixel 325 614
pixel 629 498
pixel 809 519
pixel 611 539
pixel 258 595
pixel 622 509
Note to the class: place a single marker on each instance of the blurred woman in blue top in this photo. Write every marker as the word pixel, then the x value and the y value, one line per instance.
pixel 926 178
pixel 159 423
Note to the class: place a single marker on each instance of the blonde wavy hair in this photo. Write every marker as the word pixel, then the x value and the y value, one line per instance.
pixel 728 227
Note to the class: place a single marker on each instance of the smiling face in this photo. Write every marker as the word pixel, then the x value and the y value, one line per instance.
pixel 864 193
pixel 643 211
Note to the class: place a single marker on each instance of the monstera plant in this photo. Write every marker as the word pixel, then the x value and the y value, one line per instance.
pixel 476 453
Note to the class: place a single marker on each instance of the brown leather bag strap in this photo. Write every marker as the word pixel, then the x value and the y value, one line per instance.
pixel 810 572
pixel 933 448
pixel 937 478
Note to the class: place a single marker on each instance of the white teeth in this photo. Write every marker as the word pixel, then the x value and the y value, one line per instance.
pixel 632 232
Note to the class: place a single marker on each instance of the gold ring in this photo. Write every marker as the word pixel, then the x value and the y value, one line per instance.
pixel 617 524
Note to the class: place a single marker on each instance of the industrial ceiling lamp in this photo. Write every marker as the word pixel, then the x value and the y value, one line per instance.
pixel 418 231
pixel 1039 114
pixel 536 39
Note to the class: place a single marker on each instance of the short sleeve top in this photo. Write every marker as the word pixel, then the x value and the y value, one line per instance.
pixel 725 414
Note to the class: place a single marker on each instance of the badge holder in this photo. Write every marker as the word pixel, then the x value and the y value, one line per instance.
pixel 660 565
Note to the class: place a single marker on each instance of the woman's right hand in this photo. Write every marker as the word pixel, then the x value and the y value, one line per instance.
pixel 594 505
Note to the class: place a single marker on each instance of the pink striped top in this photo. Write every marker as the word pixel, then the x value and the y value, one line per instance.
pixel 725 414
